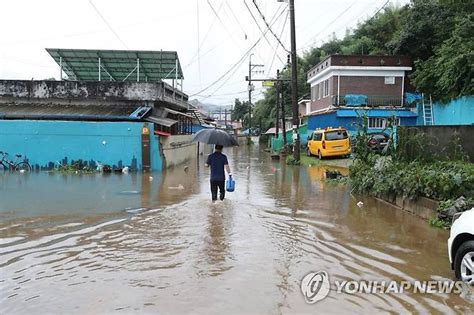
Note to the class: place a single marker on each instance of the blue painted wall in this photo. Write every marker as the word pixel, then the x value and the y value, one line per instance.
pixel 351 124
pixel 45 143
pixel 457 112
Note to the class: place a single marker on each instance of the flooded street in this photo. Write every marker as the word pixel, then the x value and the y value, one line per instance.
pixel 96 244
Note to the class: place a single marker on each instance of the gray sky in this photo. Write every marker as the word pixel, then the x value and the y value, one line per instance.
pixel 30 26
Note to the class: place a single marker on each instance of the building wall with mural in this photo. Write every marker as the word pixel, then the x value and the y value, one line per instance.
pixel 45 143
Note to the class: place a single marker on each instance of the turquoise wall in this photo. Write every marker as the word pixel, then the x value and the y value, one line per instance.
pixel 46 143
pixel 457 112
pixel 277 143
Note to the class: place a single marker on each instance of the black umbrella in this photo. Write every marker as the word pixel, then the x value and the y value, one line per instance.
pixel 215 136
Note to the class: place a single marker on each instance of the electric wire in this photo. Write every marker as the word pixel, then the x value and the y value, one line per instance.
pixel 108 24
pixel 268 26
pixel 305 45
pixel 211 27
pixel 276 47
pixel 199 43
pixel 236 19
pixel 237 63
pixel 258 25
pixel 237 67
pixel 222 23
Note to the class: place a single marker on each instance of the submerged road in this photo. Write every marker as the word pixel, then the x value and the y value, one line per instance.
pixel 97 244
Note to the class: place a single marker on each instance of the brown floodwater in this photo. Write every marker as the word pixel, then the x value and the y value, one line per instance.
pixel 94 244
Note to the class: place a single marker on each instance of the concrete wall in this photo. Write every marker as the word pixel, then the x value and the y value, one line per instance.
pixel 46 143
pixel 179 149
pixel 131 91
pixel 438 141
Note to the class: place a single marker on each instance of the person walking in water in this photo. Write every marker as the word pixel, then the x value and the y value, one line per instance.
pixel 217 162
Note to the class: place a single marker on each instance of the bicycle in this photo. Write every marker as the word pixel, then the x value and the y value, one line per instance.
pixel 7 164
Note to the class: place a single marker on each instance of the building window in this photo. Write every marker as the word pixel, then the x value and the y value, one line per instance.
pixel 326 88
pixel 376 123
pixel 382 123
pixel 320 90
pixel 314 93
pixel 389 80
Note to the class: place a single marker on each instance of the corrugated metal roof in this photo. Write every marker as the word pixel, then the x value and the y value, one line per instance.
pixel 72 112
pixel 174 112
pixel 161 121
pixel 117 65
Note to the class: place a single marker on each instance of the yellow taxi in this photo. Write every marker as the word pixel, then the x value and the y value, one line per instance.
pixel 329 142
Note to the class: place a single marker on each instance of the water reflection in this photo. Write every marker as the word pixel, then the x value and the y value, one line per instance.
pixel 52 193
pixel 101 244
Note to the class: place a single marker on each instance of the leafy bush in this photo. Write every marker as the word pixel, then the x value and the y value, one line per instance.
pixel 442 224
pixel 440 180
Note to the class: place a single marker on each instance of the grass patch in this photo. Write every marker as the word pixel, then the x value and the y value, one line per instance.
pixel 304 160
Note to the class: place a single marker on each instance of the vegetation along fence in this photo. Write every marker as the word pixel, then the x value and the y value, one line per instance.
pixel 436 142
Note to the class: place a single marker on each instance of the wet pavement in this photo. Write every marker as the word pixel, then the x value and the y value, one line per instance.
pixel 93 244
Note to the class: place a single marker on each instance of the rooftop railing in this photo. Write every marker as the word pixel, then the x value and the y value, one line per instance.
pixel 368 100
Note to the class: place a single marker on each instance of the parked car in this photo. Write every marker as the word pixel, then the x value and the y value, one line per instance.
pixel 328 142
pixel 378 141
pixel 461 247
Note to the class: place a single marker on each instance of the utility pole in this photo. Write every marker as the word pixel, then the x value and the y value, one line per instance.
pixel 294 85
pixel 277 85
pixel 283 120
pixel 250 87
pixel 225 117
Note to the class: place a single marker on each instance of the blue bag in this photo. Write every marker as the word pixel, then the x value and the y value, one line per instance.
pixel 230 185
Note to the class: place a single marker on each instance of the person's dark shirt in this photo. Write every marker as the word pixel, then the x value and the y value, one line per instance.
pixel 216 162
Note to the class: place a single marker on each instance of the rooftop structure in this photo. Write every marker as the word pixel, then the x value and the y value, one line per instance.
pixel 117 65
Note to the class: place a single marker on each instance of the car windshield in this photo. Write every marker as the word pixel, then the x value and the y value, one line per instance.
pixel 336 135
pixel 379 137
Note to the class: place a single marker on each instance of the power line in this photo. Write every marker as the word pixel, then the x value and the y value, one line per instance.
pixel 268 26
pixel 236 19
pixel 328 25
pixel 237 67
pixel 199 43
pixel 258 25
pixel 239 62
pixel 222 23
pixel 193 59
pixel 108 25
pixel 276 48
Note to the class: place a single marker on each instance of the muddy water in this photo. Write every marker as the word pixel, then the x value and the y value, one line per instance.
pixel 135 244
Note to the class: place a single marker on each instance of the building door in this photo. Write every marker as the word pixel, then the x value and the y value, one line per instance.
pixel 146 164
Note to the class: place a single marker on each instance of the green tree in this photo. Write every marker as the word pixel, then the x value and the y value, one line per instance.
pixel 240 110
pixel 449 72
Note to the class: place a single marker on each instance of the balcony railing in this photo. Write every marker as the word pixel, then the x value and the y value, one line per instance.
pixel 368 100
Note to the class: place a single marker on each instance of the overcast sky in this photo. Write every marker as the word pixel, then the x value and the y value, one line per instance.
pixel 207 46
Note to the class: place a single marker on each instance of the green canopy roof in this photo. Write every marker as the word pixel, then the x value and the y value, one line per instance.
pixel 117 65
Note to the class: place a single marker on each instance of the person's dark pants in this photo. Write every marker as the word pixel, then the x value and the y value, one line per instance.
pixel 214 185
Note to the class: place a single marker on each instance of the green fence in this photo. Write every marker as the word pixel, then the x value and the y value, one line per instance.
pixel 277 143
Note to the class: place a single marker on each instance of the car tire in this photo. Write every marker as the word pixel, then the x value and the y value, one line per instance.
pixel 320 156
pixel 461 269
